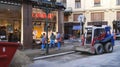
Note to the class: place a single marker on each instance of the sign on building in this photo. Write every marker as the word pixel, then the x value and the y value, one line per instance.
pixel 81 18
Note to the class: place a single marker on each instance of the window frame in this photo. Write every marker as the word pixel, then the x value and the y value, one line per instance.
pixel 97 3
pixel 77 3
pixel 117 2
pixel 75 16
pixel 118 15
pixel 99 18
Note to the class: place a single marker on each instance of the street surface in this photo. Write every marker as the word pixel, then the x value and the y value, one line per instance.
pixel 82 60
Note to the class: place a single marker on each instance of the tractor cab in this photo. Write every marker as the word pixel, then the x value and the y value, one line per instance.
pixel 88 35
pixel 93 33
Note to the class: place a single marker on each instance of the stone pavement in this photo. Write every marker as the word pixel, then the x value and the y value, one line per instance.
pixel 68 46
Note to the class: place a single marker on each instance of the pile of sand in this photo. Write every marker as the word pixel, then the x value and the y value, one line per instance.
pixel 20 60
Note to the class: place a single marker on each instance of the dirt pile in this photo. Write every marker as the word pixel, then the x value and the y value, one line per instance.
pixel 20 60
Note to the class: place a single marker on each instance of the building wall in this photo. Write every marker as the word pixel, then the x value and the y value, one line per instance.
pixel 20 18
pixel 109 8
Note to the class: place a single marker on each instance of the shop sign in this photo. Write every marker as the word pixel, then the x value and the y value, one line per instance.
pixel 42 15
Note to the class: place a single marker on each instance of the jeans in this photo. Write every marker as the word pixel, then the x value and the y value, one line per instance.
pixel 42 46
pixel 52 43
pixel 59 45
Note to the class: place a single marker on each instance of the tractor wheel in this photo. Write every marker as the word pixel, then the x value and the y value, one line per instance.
pixel 108 47
pixel 98 48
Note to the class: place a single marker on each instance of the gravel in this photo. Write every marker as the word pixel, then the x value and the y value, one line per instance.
pixel 20 59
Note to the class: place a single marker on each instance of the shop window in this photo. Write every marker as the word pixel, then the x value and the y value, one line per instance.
pixel 118 2
pixel 37 29
pixel 3 33
pixel 11 30
pixel 98 16
pixel 77 3
pixel 97 2
pixel 52 26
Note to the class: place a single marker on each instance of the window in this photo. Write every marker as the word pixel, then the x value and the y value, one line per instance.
pixel 64 3
pixel 75 17
pixel 100 33
pixel 98 16
pixel 118 2
pixel 96 2
pixel 89 36
pixel 77 3
pixel 118 15
pixel 65 18
pixel 51 26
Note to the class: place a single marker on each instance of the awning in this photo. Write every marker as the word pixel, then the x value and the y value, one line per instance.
pixel 76 27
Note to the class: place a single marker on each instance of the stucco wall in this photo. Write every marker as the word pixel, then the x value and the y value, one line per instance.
pixel 109 8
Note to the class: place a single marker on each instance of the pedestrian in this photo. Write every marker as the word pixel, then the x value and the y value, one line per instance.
pixel 43 40
pixel 58 38
pixel 52 40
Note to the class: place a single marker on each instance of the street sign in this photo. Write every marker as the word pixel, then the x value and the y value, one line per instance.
pixel 81 18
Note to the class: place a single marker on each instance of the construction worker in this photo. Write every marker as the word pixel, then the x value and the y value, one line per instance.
pixel 43 41
pixel 52 40
pixel 58 38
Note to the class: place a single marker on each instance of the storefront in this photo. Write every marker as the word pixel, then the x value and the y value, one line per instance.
pixel 39 22
pixel 18 20
pixel 10 23
pixel 70 30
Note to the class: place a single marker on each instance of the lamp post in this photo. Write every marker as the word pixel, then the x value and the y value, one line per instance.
pixel 81 19
pixel 83 27
pixel 49 6
pixel 47 46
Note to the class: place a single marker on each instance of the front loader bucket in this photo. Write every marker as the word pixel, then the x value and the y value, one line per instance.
pixel 85 48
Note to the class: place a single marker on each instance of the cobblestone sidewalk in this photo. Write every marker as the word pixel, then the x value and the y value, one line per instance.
pixel 68 46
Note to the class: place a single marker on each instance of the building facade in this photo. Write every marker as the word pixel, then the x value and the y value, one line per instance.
pixel 19 20
pixel 97 12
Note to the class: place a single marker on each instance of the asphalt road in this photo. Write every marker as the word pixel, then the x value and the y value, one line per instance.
pixel 82 60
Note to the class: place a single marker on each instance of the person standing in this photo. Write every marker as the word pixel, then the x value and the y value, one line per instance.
pixel 52 40
pixel 43 41
pixel 58 38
